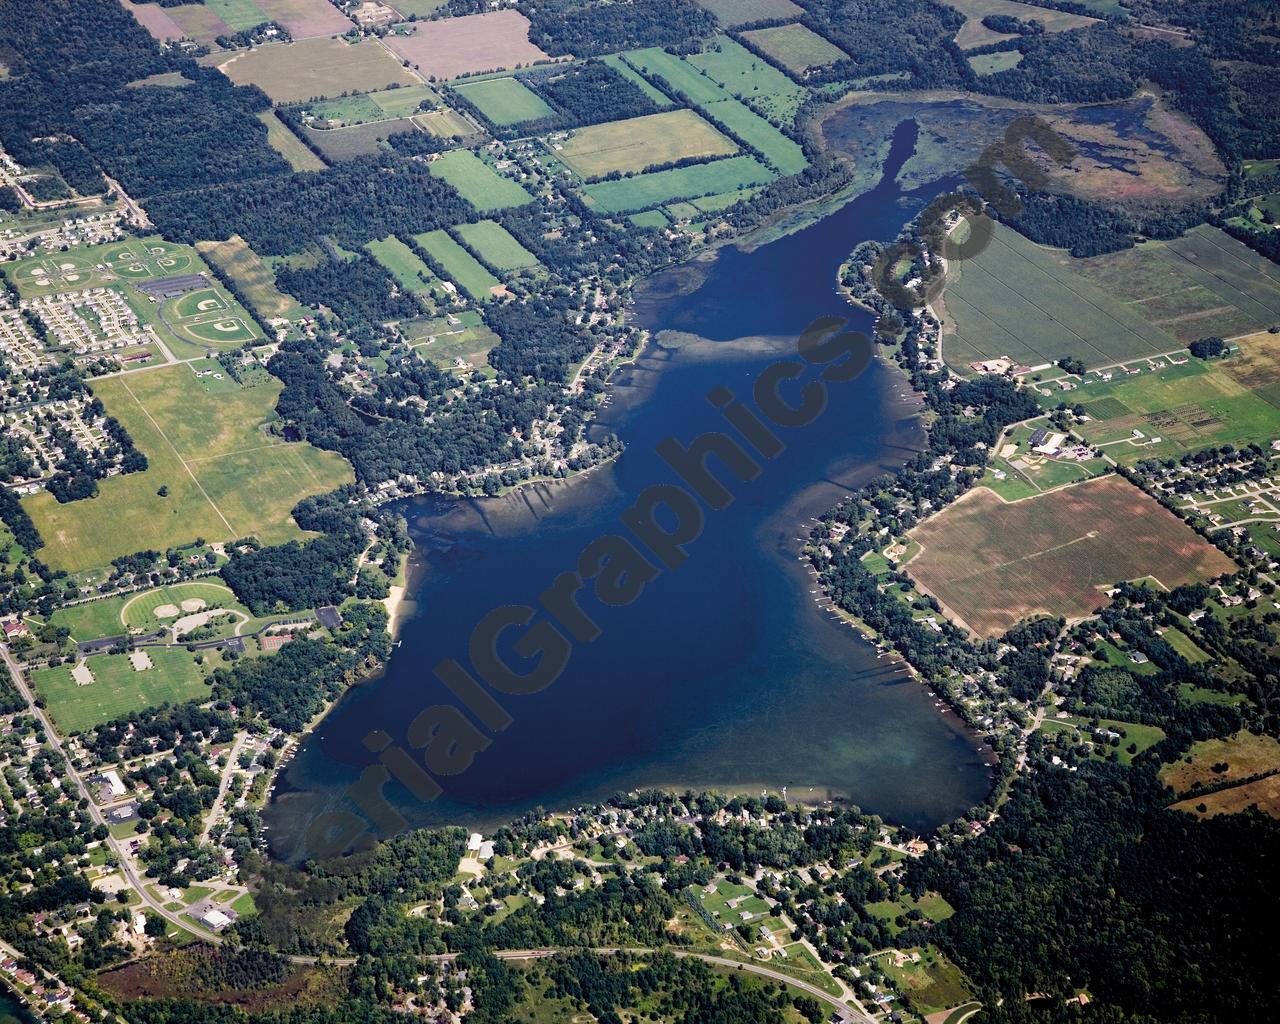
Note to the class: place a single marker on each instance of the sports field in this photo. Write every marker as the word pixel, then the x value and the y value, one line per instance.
pixel 720 106
pixel 467 45
pixel 113 616
pixel 461 267
pixel 1172 410
pixel 403 264
pixel 288 145
pixel 743 12
pixel 992 564
pixel 645 190
pixel 253 277
pixel 137 259
pixel 295 72
pixel 755 81
pixel 639 142
pixel 973 33
pixel 118 688
pixel 482 186
pixel 504 101
pixel 495 245
pixel 1031 304
pixel 1204 283
pixel 226 477
pixel 796 47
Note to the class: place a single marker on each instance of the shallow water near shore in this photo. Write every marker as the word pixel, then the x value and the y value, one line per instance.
pixel 726 672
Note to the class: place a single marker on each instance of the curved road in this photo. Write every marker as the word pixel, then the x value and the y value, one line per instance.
pixel 851 1011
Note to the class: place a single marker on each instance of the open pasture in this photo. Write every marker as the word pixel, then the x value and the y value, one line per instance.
pixel 300 71
pixel 796 47
pixel 646 190
pixel 992 564
pixel 994 63
pixel 480 185
pixel 1264 794
pixel 118 688
pixel 253 277
pixel 338 144
pixel 460 341
pixel 652 140
pixel 933 983
pixel 504 101
pixel 1031 304
pixel 283 141
pixel 731 13
pixel 403 264
pixel 1244 755
pixel 973 33
pixel 496 246
pixel 1204 283
pixel 467 45
pixel 755 81
pixel 1171 410
pixel 226 476
pixel 461 267
pixel 360 108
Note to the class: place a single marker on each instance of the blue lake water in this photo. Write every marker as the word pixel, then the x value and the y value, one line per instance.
pixel 725 672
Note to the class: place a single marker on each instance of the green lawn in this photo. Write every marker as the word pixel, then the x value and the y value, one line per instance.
pixel 482 186
pixel 118 689
pixel 496 246
pixel 459 265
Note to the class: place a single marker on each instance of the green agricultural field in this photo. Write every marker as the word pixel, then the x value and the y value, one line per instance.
pixel 652 140
pixel 743 12
pixel 619 64
pixel 1031 304
pixel 796 47
pixel 237 15
pixel 253 277
pixel 482 186
pixel 496 246
pixel 646 190
pixel 403 264
pixel 750 78
pixel 118 688
pixel 461 267
pixel 227 477
pixel 361 108
pixel 720 106
pixel 1204 283
pixel 654 62
pixel 1166 412
pixel 504 101
pixel 283 141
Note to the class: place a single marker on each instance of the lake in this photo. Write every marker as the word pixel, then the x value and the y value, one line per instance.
pixel 725 672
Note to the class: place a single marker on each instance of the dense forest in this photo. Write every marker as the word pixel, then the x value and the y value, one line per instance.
pixel 566 26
